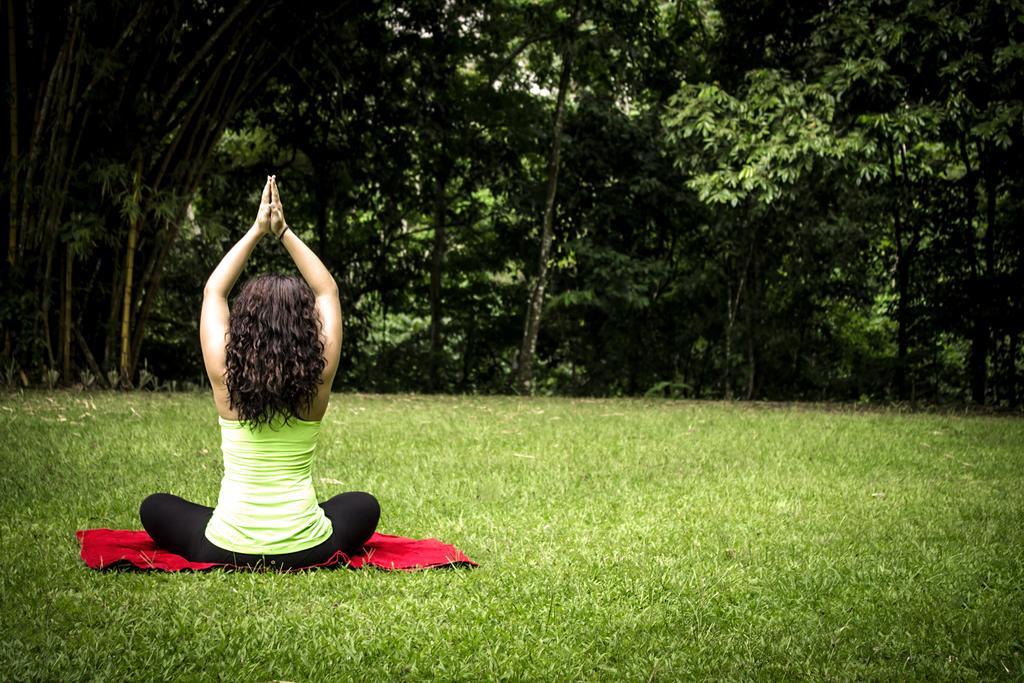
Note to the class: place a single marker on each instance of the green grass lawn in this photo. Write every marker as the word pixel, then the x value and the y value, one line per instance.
pixel 643 540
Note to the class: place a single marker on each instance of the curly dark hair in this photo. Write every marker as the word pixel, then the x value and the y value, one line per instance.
pixel 275 352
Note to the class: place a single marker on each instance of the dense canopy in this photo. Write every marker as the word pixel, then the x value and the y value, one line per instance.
pixel 694 198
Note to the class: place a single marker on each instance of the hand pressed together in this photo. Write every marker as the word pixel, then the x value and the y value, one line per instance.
pixel 263 216
pixel 277 222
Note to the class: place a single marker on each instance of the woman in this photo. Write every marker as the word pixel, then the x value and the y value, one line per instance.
pixel 271 361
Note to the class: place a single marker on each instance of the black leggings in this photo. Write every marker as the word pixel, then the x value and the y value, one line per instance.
pixel 179 526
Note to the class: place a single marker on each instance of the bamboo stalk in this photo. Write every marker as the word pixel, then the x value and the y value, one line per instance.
pixel 38 123
pixel 90 359
pixel 116 289
pixel 55 162
pixel 44 311
pixel 129 266
pixel 12 53
pixel 65 323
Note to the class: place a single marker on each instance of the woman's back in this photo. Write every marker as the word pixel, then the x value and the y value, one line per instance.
pixel 267 502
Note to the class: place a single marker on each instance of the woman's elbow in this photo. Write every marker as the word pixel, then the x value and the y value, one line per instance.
pixel 329 290
pixel 212 291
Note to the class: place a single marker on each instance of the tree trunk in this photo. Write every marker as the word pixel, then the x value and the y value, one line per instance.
pixel 65 315
pixel 977 356
pixel 981 328
pixel 902 306
pixel 12 51
pixel 751 346
pixel 45 305
pixel 732 305
pixel 125 364
pixel 467 359
pixel 531 327
pixel 1011 369
pixel 90 360
pixel 113 318
pixel 152 287
pixel 903 258
pixel 702 372
pixel 437 271
pixel 978 360
pixel 726 374
pixel 320 188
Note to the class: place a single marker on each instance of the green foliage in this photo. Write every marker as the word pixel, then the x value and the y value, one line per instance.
pixel 755 199
pixel 762 144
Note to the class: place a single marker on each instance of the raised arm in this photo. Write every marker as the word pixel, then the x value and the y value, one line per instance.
pixel 213 321
pixel 322 283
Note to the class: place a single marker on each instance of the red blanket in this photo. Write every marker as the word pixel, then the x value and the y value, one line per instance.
pixel 111 548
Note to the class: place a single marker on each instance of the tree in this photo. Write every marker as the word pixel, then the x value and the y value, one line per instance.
pixel 152 84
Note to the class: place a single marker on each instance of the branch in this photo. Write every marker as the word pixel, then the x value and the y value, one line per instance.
pixel 526 42
pixel 117 46
pixel 199 56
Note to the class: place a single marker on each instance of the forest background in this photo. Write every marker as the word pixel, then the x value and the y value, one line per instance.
pixel 695 198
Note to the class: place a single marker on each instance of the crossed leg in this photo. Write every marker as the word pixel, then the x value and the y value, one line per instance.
pixel 179 525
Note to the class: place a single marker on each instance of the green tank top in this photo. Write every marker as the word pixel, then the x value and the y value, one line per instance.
pixel 267 505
